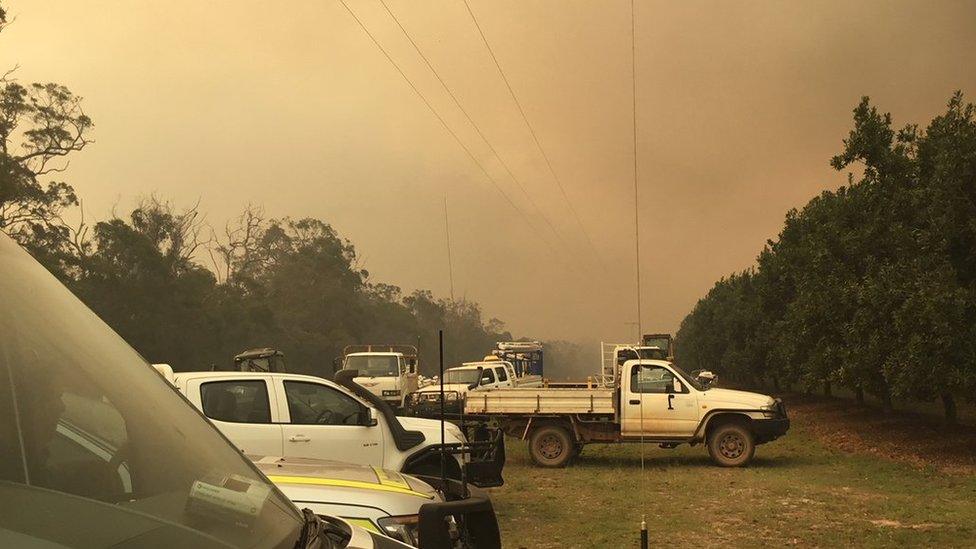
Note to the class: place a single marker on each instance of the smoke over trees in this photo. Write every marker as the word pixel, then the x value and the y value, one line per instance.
pixel 181 294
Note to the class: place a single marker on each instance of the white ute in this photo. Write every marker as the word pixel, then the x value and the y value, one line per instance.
pixel 302 416
pixel 645 399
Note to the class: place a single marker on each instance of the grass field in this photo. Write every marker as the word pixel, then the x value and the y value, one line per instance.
pixel 798 491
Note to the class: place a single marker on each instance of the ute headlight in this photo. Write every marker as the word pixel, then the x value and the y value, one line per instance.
pixel 404 528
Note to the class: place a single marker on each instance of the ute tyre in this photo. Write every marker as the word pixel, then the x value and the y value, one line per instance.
pixel 551 446
pixel 731 445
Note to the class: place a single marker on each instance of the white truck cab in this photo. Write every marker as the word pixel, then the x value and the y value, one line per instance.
pixel 388 371
pixel 302 416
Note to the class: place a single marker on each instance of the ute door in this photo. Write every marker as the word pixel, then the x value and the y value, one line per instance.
pixel 323 422
pixel 241 409
pixel 487 378
pixel 669 408
pixel 504 380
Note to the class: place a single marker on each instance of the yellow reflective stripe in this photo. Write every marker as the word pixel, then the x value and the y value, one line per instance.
pixel 363 523
pixel 386 479
pixel 346 484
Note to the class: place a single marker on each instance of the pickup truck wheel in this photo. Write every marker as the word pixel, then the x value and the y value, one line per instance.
pixel 551 446
pixel 731 445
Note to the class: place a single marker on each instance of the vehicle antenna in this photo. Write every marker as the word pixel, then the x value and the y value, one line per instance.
pixel 440 348
pixel 633 81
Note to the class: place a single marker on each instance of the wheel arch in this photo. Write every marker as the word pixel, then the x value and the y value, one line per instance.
pixel 717 418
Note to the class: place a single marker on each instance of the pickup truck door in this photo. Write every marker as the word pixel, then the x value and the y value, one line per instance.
pixel 667 412
pixel 241 409
pixel 504 376
pixel 323 422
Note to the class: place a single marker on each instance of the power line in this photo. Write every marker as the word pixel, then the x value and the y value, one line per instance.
pixel 450 262
pixel 444 123
pixel 528 125
pixel 633 79
pixel 471 121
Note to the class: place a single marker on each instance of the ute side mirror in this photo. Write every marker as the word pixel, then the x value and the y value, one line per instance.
pixel 673 387
pixel 368 417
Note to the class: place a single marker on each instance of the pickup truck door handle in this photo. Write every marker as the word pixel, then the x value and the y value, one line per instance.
pixel 298 438
pixel 635 402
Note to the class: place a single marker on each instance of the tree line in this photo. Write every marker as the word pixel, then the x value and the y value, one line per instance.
pixel 183 294
pixel 871 287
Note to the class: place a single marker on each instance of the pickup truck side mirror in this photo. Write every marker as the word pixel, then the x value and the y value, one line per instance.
pixel 369 417
pixel 673 387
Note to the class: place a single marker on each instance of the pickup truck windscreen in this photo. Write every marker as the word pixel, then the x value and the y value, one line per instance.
pixel 466 377
pixel 689 379
pixel 96 449
pixel 374 366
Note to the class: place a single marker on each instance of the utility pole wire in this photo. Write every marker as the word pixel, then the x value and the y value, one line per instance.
pixel 450 262
pixel 535 137
pixel 477 129
pixel 447 127
pixel 633 78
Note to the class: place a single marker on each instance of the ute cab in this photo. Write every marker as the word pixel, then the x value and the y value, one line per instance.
pixel 491 373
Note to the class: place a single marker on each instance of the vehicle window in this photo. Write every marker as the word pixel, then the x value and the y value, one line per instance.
pixel 85 421
pixel 650 379
pixel 244 401
pixel 465 376
pixel 374 366
pixel 314 404
pixel 502 374
pixel 487 377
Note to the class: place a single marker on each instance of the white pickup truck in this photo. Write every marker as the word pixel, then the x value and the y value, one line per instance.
pixel 303 416
pixel 651 400
pixel 490 373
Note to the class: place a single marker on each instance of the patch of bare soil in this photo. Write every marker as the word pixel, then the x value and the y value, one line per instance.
pixel 900 436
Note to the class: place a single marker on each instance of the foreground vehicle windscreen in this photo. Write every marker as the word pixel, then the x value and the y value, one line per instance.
pixel 97 450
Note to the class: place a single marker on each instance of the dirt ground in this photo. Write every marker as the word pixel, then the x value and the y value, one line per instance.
pixel 908 437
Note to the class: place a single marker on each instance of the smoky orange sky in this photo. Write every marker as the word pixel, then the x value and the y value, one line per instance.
pixel 290 106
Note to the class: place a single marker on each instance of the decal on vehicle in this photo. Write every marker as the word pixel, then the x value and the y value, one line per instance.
pixel 282 479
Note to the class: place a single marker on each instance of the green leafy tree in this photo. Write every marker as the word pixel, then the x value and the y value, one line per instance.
pixel 40 125
pixel 873 286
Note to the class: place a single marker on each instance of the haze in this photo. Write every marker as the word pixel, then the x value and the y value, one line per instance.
pixel 292 107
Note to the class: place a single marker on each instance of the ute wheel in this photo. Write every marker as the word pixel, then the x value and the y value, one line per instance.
pixel 731 445
pixel 551 446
